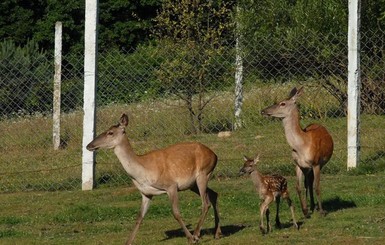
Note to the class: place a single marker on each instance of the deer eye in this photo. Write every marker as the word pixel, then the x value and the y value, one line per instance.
pixel 282 104
pixel 110 133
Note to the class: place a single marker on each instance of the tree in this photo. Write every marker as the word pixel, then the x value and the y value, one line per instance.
pixel 194 35
pixel 123 24
pixel 18 19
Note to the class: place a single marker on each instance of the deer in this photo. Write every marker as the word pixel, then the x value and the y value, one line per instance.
pixel 178 167
pixel 312 148
pixel 270 188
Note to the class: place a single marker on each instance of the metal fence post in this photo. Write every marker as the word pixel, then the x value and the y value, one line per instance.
pixel 354 83
pixel 90 78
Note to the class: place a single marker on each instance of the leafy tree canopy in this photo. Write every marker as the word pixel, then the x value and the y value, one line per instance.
pixel 122 24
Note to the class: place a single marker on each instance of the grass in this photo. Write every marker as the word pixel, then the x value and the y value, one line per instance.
pixel 355 205
pixel 355 200
pixel 28 162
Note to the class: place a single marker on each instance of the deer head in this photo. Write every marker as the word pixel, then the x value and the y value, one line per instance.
pixel 284 107
pixel 110 138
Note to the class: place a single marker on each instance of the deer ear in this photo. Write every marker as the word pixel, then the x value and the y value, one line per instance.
pixel 123 120
pixel 245 158
pixel 294 94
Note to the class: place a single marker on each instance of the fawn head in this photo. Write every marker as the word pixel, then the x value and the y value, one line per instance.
pixel 249 165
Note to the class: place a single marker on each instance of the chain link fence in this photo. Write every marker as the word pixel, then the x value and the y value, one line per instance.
pixel 185 92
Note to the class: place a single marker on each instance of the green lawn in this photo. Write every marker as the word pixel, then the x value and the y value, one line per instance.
pixel 106 215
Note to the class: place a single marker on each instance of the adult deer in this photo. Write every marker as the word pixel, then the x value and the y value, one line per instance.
pixel 270 188
pixel 175 168
pixel 312 147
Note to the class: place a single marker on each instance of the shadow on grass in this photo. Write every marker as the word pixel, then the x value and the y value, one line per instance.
pixel 289 225
pixel 336 203
pixel 227 230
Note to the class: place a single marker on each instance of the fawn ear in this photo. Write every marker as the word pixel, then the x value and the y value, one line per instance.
pixel 256 159
pixel 123 122
pixel 245 158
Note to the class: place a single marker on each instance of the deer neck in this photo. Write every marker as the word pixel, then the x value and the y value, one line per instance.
pixel 295 136
pixel 128 159
pixel 256 177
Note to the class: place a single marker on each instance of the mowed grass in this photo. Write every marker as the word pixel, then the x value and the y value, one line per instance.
pixel 355 205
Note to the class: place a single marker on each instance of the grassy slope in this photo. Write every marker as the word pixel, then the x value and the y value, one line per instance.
pixel 356 206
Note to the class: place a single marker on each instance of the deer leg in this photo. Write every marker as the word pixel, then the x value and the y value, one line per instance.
pixel 172 192
pixel 317 178
pixel 264 210
pixel 202 191
pixel 143 210
pixel 310 180
pixel 277 222
pixel 213 197
pixel 268 226
pixel 261 216
pixel 298 186
pixel 289 202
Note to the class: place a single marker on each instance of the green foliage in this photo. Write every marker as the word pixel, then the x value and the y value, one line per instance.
pixel 123 24
pixel 201 22
pixel 293 39
pixel 18 19
pixel 194 34
pixel 27 86
pixel 126 24
pixel 128 77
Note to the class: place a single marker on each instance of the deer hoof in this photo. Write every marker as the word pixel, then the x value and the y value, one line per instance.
pixel 263 231
pixel 296 226
pixel 323 213
pixel 195 239
pixel 278 225
pixel 218 235
pixel 306 213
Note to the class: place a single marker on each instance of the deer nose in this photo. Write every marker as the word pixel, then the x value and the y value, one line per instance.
pixel 91 147
pixel 265 113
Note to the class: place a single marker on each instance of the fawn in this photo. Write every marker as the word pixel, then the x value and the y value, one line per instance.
pixel 270 188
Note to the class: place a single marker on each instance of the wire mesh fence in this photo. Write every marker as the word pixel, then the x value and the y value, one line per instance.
pixel 185 92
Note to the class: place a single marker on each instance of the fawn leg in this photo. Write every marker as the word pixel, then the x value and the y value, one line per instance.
pixel 264 211
pixel 277 222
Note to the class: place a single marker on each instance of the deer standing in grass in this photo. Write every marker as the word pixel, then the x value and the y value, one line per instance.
pixel 176 168
pixel 312 148
pixel 270 188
